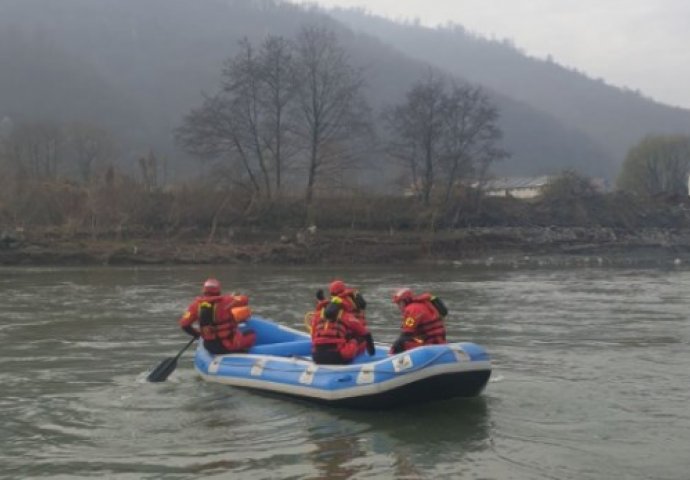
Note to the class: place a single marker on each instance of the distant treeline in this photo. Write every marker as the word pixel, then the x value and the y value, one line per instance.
pixel 115 205
pixel 286 141
pixel 136 68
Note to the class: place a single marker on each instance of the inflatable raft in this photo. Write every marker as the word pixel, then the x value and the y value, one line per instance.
pixel 280 363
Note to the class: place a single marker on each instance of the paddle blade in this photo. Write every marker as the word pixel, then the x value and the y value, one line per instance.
pixel 163 371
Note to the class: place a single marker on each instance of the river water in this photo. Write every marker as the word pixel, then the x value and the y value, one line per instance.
pixel 591 378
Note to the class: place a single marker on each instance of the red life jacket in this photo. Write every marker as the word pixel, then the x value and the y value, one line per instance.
pixel 429 325
pixel 327 331
pixel 215 322
pixel 353 303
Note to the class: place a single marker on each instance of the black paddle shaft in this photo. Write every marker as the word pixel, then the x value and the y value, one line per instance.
pixel 167 366
pixel 371 348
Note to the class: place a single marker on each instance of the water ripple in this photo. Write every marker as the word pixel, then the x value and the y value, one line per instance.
pixel 589 381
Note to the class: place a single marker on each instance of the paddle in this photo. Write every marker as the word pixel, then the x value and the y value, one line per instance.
pixel 371 348
pixel 167 366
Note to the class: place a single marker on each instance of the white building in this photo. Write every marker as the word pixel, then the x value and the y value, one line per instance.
pixel 516 187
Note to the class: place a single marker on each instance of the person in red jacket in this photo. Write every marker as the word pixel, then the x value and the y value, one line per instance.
pixel 422 323
pixel 352 301
pixel 217 317
pixel 337 336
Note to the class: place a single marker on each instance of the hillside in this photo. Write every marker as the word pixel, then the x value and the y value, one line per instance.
pixel 614 118
pixel 137 67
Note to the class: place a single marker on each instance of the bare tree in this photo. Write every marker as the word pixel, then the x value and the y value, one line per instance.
pixel 332 110
pixel 417 128
pixel 247 120
pixel 278 81
pixel 151 166
pixel 285 98
pixel 471 136
pixel 212 131
pixel 242 87
pixel 34 150
pixel 435 132
pixel 89 146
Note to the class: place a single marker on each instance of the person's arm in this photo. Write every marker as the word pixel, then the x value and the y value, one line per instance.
pixel 187 320
pixel 408 330
pixel 239 301
pixel 191 331
pixel 314 322
pixel 233 309
pixel 359 331
pixel 412 318
pixel 356 327
pixel 399 344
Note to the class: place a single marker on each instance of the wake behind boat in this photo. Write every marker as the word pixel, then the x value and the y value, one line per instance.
pixel 280 363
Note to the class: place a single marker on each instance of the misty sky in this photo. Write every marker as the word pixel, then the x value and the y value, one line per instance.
pixel 640 44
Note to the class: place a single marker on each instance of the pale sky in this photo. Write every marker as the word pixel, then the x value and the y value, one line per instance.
pixel 639 44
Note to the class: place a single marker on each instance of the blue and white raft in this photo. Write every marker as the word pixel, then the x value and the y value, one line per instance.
pixel 280 363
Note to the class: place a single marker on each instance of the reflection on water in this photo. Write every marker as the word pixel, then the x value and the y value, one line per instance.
pixel 409 443
pixel 590 378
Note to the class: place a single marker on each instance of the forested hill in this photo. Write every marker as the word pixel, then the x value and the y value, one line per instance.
pixel 137 67
pixel 615 118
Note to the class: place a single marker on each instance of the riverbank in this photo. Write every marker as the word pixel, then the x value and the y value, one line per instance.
pixel 319 247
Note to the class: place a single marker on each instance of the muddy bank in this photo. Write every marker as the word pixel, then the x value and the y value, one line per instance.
pixel 314 247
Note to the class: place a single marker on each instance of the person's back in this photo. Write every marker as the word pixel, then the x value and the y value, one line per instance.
pixel 337 336
pixel 422 323
pixel 217 317
pixel 352 300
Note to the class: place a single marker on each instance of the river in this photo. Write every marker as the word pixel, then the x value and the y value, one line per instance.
pixel 591 378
